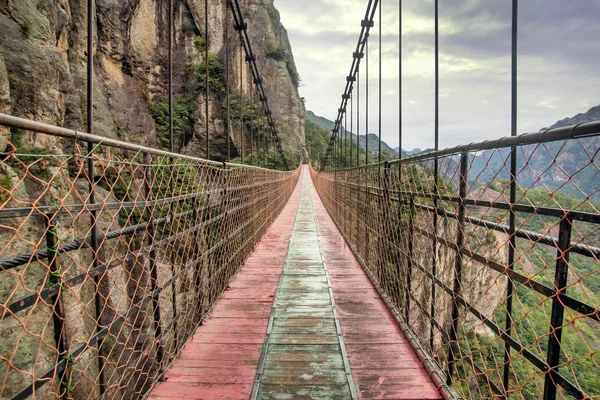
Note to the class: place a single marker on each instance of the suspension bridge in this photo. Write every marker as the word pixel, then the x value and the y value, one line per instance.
pixel 132 272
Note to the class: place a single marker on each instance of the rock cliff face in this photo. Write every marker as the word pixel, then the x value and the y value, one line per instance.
pixel 43 71
pixel 43 77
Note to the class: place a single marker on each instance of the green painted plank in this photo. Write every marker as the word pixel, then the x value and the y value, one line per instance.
pixel 279 392
pixel 304 377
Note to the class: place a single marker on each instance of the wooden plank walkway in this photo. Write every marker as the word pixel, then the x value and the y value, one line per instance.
pixel 300 321
pixel 305 351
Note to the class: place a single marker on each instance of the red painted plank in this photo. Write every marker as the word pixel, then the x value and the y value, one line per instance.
pixel 389 392
pixel 192 391
pixel 215 320
pixel 235 374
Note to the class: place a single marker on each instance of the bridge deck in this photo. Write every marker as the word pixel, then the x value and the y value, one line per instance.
pixel 300 321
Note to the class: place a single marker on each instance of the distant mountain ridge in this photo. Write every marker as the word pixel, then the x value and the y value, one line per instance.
pixel 409 152
pixel 328 125
pixel 593 114
pixel 573 171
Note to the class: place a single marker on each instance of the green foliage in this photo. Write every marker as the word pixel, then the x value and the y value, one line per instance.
pixel 275 52
pixel 120 128
pixel 200 43
pixel 5 188
pixel 291 67
pixel 168 180
pixel 317 140
pixel 16 137
pixel 194 86
pixel 252 115
pixel 195 74
pixel 182 111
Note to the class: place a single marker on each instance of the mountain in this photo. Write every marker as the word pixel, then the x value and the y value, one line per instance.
pixel 409 152
pixel 328 125
pixel 593 114
pixel 568 166
pixel 321 122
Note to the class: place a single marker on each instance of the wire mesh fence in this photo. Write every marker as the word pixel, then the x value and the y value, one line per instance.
pixel 109 259
pixel 495 274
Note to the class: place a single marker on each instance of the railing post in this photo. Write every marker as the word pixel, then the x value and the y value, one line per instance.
pixel 409 264
pixel 197 292
pixel 344 191
pixel 335 197
pixel 97 279
pixel 363 209
pixel 224 205
pixel 558 309
pixel 58 309
pixel 173 256
pixel 460 239
pixel 354 217
pixel 512 248
pixel 384 233
pixel 368 216
pixel 148 183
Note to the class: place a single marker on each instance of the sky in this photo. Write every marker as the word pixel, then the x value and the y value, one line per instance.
pixel 558 64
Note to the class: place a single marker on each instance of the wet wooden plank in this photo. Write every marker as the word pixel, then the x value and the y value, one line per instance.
pixel 302 339
pixel 225 338
pixel 220 351
pixel 304 353
pixel 313 375
pixel 328 364
pixel 201 391
pixel 389 392
pixel 296 392
pixel 235 374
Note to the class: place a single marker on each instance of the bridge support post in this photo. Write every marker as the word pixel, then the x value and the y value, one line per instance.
pixel 58 309
pixel 344 199
pixel 458 264
pixel 155 291
pixel 409 265
pixel 384 226
pixel 197 289
pixel 224 212
pixel 368 215
pixel 558 309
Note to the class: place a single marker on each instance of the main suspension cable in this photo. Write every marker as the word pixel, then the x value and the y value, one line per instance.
pixel 366 24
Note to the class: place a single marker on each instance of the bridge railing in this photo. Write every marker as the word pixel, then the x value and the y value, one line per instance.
pixel 110 257
pixel 501 297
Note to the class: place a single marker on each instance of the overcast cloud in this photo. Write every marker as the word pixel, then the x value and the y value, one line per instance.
pixel 559 57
